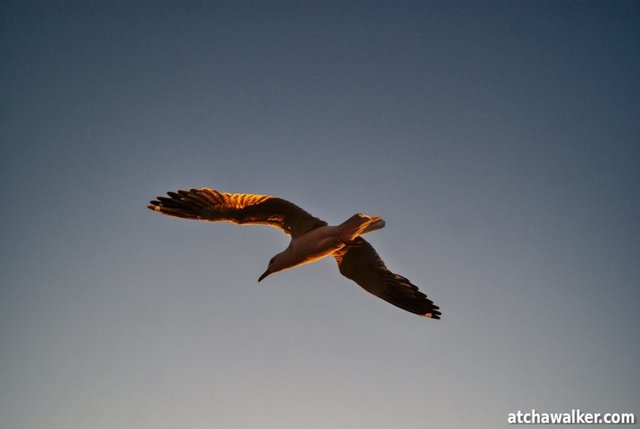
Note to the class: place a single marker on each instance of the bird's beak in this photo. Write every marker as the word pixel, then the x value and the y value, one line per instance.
pixel 265 274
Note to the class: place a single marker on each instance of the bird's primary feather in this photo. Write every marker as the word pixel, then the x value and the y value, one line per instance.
pixel 243 209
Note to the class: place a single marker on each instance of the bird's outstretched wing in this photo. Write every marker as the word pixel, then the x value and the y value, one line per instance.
pixel 244 209
pixel 359 262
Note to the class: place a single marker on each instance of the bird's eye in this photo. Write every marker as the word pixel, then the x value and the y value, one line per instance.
pixel 271 261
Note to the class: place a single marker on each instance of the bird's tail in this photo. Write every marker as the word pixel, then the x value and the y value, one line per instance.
pixel 359 224
pixel 376 222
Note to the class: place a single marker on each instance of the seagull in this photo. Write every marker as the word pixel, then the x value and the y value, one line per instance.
pixel 311 239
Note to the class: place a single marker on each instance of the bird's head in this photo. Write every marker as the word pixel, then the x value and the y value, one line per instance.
pixel 275 265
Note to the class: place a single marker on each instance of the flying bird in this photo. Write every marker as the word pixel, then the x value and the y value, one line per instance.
pixel 311 239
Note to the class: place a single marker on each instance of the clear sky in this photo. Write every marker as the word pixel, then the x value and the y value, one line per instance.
pixel 499 140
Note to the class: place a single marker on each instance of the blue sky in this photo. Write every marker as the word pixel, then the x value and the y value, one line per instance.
pixel 499 140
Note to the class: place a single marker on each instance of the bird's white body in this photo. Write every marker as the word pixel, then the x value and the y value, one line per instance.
pixel 323 241
pixel 313 245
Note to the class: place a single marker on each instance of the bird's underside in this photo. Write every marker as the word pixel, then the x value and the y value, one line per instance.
pixel 357 259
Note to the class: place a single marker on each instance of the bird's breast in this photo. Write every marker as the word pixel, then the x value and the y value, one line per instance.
pixel 314 245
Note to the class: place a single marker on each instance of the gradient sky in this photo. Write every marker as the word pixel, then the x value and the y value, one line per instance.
pixel 499 140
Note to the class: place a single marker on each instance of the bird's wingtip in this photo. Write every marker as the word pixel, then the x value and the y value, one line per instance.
pixel 433 315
